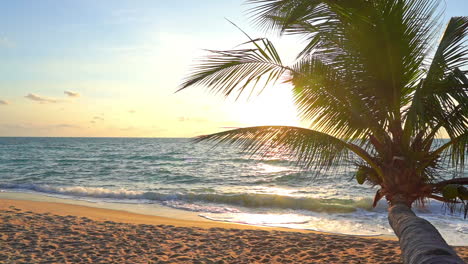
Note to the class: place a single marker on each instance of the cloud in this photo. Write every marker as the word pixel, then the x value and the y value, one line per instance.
pixel 64 126
pixel 38 127
pixel 41 99
pixel 3 102
pixel 71 94
pixel 96 119
pixel 131 111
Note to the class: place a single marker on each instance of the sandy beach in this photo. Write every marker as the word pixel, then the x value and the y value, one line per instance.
pixel 44 232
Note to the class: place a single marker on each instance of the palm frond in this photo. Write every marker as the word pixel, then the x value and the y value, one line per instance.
pixel 386 67
pixel 457 152
pixel 445 86
pixel 451 52
pixel 233 71
pixel 283 14
pixel 328 97
pixel 363 80
pixel 310 148
pixel 456 149
pixel 454 122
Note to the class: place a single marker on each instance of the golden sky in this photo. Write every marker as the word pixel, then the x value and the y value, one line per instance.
pixel 110 68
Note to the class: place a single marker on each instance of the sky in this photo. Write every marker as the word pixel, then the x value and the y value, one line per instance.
pixel 110 68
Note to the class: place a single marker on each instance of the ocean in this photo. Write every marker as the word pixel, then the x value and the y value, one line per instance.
pixel 218 183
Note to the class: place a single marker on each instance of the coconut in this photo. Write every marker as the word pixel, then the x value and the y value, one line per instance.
pixel 463 193
pixel 450 191
pixel 361 176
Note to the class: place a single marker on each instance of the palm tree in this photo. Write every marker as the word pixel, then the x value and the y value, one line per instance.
pixel 371 83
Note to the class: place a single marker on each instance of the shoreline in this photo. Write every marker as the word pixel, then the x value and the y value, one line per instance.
pixel 104 214
pixel 39 231
pixel 159 212
pixel 186 219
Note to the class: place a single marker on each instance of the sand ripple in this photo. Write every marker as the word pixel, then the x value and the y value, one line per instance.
pixel 28 237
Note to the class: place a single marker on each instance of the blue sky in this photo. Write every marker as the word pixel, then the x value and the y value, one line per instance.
pixel 38 31
pixel 124 59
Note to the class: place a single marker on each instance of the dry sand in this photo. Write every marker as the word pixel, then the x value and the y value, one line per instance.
pixel 41 232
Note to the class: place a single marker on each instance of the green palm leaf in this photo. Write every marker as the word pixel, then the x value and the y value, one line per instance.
pixel 456 149
pixel 308 147
pixel 362 77
pixel 233 71
pixel 365 81
pixel 329 98
pixel 444 90
pixel 283 15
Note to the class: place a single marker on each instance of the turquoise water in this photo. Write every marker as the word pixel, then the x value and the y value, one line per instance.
pixel 221 184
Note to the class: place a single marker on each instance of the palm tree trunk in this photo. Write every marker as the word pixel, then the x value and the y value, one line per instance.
pixel 420 242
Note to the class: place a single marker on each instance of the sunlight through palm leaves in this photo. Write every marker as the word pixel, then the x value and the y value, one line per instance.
pixel 371 83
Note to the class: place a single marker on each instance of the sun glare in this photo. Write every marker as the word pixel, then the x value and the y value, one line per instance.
pixel 273 107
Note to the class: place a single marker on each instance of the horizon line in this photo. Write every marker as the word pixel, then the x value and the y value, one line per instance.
pixel 84 137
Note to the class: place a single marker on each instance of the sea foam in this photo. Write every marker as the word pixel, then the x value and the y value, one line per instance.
pixel 249 200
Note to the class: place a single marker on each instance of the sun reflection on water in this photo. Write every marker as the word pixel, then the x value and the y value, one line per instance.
pixel 266 168
pixel 261 219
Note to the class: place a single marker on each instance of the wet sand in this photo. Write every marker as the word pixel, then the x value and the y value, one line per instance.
pixel 42 232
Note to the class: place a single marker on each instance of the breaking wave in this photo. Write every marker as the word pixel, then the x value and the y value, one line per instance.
pixel 249 200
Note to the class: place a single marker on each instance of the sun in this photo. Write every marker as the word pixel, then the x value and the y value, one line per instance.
pixel 272 107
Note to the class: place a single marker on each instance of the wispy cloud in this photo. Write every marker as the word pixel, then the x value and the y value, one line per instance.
pixel 3 102
pixel 131 111
pixel 96 119
pixel 41 99
pixel 38 127
pixel 64 126
pixel 71 94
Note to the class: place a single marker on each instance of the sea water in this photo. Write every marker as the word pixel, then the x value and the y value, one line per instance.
pixel 219 183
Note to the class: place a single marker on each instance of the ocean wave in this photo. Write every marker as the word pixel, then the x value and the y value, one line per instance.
pixel 283 162
pixel 293 176
pixel 92 192
pixel 152 157
pixel 250 200
pixel 277 162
